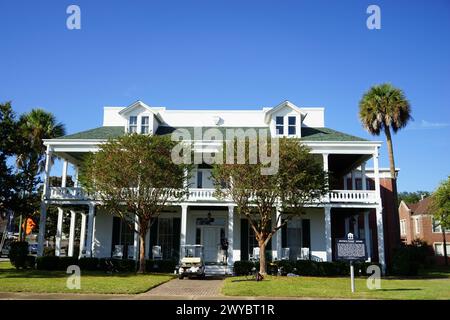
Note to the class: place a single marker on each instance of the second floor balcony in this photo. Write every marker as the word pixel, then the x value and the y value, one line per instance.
pixel 208 195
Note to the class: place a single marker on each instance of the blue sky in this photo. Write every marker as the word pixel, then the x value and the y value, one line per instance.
pixel 236 54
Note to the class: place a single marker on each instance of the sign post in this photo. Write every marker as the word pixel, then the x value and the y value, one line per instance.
pixel 350 249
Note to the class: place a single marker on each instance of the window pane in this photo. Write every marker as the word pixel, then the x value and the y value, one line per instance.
pixel 279 120
pixel 291 130
pixel 280 130
pixel 291 121
pixel 133 120
pixel 144 120
pixel 199 179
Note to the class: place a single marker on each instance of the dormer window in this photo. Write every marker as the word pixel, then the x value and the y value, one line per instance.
pixel 144 125
pixel 132 127
pixel 279 125
pixel 292 125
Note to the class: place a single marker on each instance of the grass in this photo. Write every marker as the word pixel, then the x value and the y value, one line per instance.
pixel 12 280
pixel 434 285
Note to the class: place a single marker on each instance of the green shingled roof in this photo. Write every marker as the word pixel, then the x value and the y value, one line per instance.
pixel 308 134
pixel 97 133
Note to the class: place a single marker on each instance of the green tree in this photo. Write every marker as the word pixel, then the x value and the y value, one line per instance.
pixel 385 108
pixel 8 147
pixel 299 180
pixel 412 197
pixel 135 178
pixel 440 206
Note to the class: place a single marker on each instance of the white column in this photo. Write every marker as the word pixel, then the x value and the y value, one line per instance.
pixel 376 171
pixel 59 232
pixel 136 238
pixel 90 230
pixel 64 174
pixel 328 232
pixel 48 166
pixel 75 174
pixel 279 236
pixel 353 180
pixel 325 168
pixel 71 233
pixel 41 236
pixel 367 235
pixel 82 234
pixel 230 236
pixel 345 183
pixel 380 234
pixel 363 176
pixel 184 208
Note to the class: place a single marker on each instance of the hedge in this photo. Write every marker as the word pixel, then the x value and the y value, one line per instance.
pixel 160 266
pixel 302 267
pixel 19 257
pixel 52 263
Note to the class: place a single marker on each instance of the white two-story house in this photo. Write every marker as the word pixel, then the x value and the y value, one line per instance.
pixel 202 218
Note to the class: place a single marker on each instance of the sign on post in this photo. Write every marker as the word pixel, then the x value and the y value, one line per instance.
pixel 351 249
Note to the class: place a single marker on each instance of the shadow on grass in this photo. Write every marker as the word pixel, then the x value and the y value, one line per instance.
pixel 35 274
pixel 400 289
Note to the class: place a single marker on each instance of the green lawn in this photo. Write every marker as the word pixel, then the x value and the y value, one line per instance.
pixel 431 286
pixel 12 280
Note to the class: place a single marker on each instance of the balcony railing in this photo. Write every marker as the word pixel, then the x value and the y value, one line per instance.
pixel 203 195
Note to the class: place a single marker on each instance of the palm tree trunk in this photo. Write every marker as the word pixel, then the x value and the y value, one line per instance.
pixel 445 246
pixel 395 216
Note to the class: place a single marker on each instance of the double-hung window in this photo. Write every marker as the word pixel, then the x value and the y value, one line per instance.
pixel 403 227
pixel 132 126
pixel 292 125
pixel 144 125
pixel 279 125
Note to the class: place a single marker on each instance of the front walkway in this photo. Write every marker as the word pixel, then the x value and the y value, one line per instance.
pixel 209 287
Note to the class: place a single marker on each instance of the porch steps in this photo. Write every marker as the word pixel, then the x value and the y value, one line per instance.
pixel 217 270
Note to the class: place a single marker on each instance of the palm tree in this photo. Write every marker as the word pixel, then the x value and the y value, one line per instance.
pixel 385 108
pixel 36 126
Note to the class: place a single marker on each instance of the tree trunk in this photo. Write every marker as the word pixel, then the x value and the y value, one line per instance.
pixel 262 257
pixel 395 216
pixel 445 246
pixel 142 251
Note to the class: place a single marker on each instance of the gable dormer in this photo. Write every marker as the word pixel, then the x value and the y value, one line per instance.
pixel 285 119
pixel 140 118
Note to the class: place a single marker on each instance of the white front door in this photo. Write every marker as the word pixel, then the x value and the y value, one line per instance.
pixel 211 242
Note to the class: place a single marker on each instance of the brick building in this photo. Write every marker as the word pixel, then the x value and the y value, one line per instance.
pixel 416 222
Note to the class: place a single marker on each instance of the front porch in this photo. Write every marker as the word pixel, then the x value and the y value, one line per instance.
pixel 225 235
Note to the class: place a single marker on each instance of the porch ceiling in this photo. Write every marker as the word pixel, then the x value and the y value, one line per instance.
pixel 341 164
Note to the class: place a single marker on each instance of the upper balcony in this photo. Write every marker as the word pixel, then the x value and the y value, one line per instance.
pixel 207 195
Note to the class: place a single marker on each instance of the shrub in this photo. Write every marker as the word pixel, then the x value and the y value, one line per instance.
pixel 160 266
pixel 307 268
pixel 18 254
pixel 243 268
pixel 89 264
pixel 49 263
pixel 408 259
pixel 64 262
